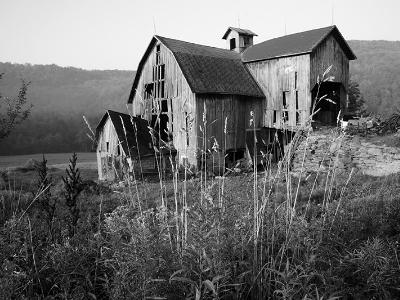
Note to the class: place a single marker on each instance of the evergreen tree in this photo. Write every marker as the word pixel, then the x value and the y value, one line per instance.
pixel 356 100
pixel 72 188
pixel 44 184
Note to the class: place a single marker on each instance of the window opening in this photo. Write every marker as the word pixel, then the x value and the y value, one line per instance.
pixel 232 43
pixel 187 128
pixel 158 53
pixel 285 116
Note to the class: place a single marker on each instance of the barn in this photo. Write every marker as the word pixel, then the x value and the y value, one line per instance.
pixel 209 103
pixel 197 96
pixel 125 148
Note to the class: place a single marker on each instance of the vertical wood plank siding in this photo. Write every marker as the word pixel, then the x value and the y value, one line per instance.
pixel 236 110
pixel 107 135
pixel 278 75
pixel 181 100
pixel 326 54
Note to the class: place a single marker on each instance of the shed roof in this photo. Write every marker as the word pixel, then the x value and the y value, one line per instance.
pixel 208 70
pixel 134 140
pixel 239 30
pixel 294 44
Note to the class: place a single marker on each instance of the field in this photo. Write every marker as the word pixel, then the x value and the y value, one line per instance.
pixel 87 160
pixel 18 176
pixel 259 233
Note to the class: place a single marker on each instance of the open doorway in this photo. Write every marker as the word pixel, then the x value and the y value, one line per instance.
pixel 159 122
pixel 329 107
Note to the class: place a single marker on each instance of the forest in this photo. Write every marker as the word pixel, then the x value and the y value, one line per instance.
pixel 62 95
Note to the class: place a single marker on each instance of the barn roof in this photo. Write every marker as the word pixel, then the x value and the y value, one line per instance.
pixel 136 138
pixel 208 70
pixel 294 44
pixel 240 30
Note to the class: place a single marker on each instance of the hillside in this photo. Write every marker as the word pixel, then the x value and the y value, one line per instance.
pixel 62 95
pixel 377 69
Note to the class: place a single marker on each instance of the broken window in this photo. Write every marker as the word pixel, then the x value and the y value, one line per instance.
pixel 232 43
pixel 187 128
pixel 284 99
pixel 148 90
pixel 158 54
pixel 285 116
pixel 246 41
pixel 162 71
pixel 118 150
pixel 297 117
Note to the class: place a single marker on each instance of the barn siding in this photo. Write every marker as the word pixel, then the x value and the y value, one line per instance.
pixel 326 54
pixel 106 158
pixel 236 111
pixel 278 75
pixel 181 102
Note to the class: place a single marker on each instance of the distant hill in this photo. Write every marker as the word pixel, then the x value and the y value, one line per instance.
pixel 377 70
pixel 62 95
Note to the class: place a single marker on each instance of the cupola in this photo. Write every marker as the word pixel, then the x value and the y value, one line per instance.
pixel 238 39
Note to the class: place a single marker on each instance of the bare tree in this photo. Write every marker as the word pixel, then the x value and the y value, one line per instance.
pixel 13 110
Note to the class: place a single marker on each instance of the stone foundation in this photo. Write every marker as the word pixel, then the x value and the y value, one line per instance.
pixel 328 148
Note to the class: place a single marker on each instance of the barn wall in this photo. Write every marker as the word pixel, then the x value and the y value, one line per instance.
pixel 236 110
pixel 326 54
pixel 289 74
pixel 181 103
pixel 108 159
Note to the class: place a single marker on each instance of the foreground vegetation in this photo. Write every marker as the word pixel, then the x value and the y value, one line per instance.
pixel 256 235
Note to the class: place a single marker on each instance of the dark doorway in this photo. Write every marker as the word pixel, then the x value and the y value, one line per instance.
pixel 159 123
pixel 329 107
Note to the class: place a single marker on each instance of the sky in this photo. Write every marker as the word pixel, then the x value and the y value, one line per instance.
pixel 113 34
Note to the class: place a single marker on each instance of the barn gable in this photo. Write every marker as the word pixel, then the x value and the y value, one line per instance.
pixel 295 44
pixel 208 70
pixel 132 133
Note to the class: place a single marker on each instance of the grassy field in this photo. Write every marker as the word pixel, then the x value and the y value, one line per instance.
pixel 86 160
pixel 19 178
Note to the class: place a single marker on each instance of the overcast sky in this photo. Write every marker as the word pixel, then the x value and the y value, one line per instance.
pixel 113 34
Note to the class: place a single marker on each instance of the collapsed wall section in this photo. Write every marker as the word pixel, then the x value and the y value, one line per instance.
pixel 326 149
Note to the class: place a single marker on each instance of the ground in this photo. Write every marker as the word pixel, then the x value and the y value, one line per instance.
pixel 243 236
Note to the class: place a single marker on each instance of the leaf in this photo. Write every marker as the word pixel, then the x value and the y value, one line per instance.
pixel 210 286
pixel 184 280
pixel 92 296
pixel 330 78
pixel 198 295
pixel 327 71
pixel 217 278
pixel 330 100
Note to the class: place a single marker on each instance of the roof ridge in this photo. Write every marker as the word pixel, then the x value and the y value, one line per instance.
pixel 296 33
pixel 117 112
pixel 163 37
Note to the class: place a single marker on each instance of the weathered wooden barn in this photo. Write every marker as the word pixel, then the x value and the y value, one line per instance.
pixel 125 147
pixel 197 96
pixel 209 101
pixel 287 68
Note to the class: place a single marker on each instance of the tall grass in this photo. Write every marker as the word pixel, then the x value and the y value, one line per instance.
pixel 269 233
